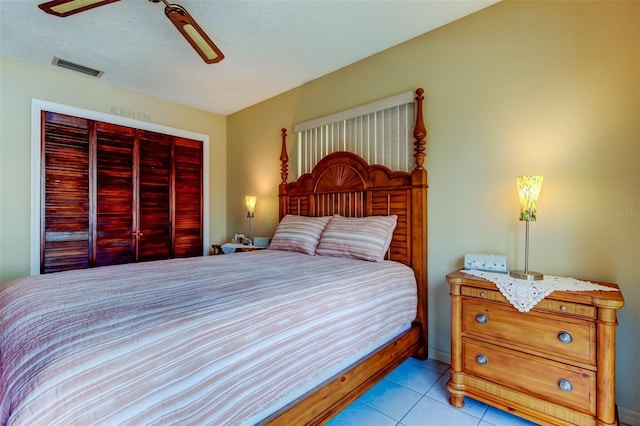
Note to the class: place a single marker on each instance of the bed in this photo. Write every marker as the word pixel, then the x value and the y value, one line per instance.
pixel 287 335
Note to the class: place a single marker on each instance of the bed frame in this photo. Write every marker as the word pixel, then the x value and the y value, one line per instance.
pixel 343 183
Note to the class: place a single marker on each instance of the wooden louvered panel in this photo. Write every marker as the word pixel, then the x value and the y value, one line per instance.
pixel 395 202
pixel 65 240
pixel 113 194
pixel 154 208
pixel 187 223
pixel 114 207
pixel 300 205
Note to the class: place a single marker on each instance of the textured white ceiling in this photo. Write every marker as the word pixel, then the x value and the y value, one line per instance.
pixel 270 46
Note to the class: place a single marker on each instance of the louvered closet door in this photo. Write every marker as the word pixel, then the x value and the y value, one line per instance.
pixel 65 239
pixel 115 227
pixel 114 194
pixel 188 197
pixel 154 196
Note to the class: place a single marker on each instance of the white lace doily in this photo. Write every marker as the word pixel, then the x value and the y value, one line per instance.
pixel 524 294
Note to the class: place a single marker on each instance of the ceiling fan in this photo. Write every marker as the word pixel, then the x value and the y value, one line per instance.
pixel 177 14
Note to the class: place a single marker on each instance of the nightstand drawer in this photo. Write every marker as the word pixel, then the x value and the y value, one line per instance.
pixel 555 306
pixel 555 382
pixel 540 333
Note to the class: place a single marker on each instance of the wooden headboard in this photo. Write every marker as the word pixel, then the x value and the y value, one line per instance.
pixel 343 183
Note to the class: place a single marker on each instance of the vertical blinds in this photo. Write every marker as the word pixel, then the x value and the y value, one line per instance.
pixel 380 132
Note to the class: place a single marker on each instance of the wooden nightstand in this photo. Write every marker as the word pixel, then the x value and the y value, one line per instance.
pixel 553 365
pixel 234 248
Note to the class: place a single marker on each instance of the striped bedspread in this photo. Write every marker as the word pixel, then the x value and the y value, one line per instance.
pixel 201 341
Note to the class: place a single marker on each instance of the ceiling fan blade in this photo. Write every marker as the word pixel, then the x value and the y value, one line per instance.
pixel 195 35
pixel 64 8
pixel 177 14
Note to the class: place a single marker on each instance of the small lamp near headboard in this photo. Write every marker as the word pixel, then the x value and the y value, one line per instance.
pixel 250 200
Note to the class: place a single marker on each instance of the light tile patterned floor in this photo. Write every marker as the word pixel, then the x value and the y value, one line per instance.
pixel 415 394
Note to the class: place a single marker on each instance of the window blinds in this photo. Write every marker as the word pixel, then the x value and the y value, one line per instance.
pixel 380 132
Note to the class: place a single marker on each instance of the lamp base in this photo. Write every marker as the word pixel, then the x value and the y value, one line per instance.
pixel 526 275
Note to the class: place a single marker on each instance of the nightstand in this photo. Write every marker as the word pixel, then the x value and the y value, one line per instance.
pixel 553 365
pixel 228 248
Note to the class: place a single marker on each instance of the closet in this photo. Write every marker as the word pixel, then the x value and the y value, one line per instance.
pixel 114 194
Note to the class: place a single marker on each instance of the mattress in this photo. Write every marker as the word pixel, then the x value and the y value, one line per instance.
pixel 210 340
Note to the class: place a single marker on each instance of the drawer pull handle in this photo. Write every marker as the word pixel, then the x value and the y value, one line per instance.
pixel 565 385
pixel 565 337
pixel 482 359
pixel 563 307
pixel 483 294
pixel 482 318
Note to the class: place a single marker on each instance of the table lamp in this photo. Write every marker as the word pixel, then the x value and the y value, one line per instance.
pixel 250 200
pixel 528 192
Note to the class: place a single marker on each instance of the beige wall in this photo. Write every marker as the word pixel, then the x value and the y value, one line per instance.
pixel 546 88
pixel 20 82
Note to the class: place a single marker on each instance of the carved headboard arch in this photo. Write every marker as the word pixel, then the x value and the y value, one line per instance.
pixel 344 183
pixel 340 177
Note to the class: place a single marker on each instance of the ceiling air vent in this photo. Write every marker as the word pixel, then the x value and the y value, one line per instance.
pixel 75 67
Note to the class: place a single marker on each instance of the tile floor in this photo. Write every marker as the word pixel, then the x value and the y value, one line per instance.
pixel 415 394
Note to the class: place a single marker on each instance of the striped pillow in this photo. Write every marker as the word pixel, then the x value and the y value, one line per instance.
pixel 299 233
pixel 366 238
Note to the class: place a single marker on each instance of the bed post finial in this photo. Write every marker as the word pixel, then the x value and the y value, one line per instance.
pixel 284 158
pixel 284 173
pixel 419 132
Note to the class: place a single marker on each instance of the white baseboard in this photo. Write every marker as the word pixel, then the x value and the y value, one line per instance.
pixel 439 356
pixel 628 417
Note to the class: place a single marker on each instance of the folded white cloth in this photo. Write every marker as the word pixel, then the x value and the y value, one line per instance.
pixel 524 294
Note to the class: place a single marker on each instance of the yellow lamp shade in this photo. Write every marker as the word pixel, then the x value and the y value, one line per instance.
pixel 528 192
pixel 250 200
